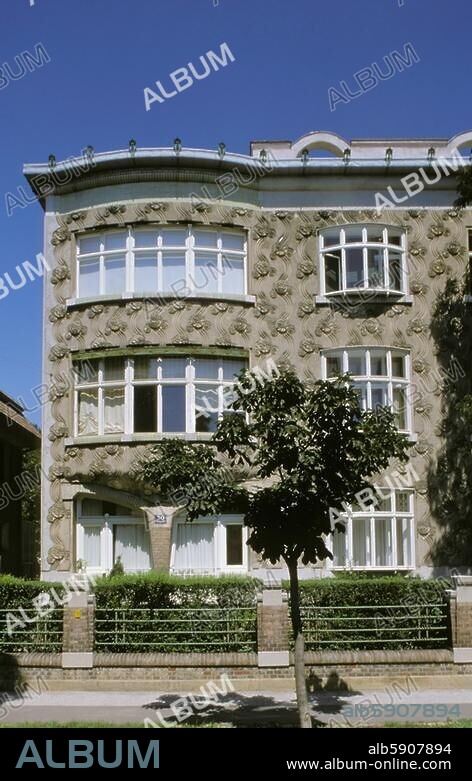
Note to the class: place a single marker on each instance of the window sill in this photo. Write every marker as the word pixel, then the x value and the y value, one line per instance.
pixel 365 297
pixel 132 439
pixel 367 568
pixel 73 303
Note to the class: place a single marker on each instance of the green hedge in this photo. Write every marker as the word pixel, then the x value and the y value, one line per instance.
pixel 397 612
pixel 42 634
pixel 166 613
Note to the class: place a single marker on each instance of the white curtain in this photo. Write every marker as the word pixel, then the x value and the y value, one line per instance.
pixel 132 545
pixel 195 547
pixel 88 412
pixel 360 541
pixel 114 410
pixel 383 542
pixel 92 545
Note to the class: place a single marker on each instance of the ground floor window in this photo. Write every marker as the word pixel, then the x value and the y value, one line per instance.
pixel 106 531
pixel 382 538
pixel 210 545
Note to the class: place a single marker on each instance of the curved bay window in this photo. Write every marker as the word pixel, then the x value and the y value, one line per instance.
pixel 152 395
pixel 359 258
pixel 179 260
pixel 380 376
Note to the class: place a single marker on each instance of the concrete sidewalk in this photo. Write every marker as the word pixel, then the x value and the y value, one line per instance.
pixel 262 708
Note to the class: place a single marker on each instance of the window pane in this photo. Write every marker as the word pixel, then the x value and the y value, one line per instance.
pixel 402 502
pixel 354 267
pixel 333 271
pixel 88 412
pixel 89 244
pixel 86 371
pixel 194 550
pixel 353 233
pixel 174 237
pixel 375 259
pixel 379 396
pixel 378 364
pixel 206 368
pixel 404 557
pixel 131 544
pixel 331 237
pixel 361 391
pixel 205 238
pixel 116 240
pixel 383 542
pixel 206 273
pixel 360 541
pixel 89 278
pixel 339 549
pixel 115 274
pixel 232 279
pixel 394 237
pixel 234 545
pixel 206 408
pixel 395 271
pixel 384 503
pixel 92 545
pixel 334 365
pixel 113 369
pixel 114 410
pixel 232 241
pixel 399 407
pixel 145 408
pixel 145 238
pixel 356 364
pixel 173 408
pixel 374 233
pixel 398 365
pixel 174 368
pixel 173 273
pixel 145 273
pixel 231 368
pixel 91 507
pixel 145 368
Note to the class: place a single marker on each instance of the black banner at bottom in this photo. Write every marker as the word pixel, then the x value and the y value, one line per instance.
pixel 201 750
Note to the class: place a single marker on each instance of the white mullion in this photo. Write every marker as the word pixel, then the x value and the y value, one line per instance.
pixel 322 275
pixel 129 256
pixel 348 543
pixel 101 272
pixel 343 269
pixel 159 396
pixel 189 265
pixel 190 426
pixel 365 267
pixel 393 532
pixel 101 412
pixel 129 398
pixel 245 265
pixel 345 355
pixel 386 268
pixel 404 267
pixel 373 551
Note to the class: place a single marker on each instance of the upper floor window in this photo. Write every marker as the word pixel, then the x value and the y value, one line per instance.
pixel 179 260
pixel 153 395
pixel 357 258
pixel 380 375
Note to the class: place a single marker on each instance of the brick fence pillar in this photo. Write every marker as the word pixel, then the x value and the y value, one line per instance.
pixel 273 629
pixel 78 631
pixel 461 618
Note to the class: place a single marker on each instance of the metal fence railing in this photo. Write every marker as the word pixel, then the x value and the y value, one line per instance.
pixel 376 626
pixel 23 630
pixel 168 630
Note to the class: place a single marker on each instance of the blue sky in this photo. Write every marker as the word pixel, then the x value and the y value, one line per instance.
pixel 287 55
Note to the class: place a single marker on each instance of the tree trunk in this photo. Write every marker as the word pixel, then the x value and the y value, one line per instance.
pixel 300 683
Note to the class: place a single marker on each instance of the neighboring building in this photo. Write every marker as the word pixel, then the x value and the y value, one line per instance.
pixel 17 434
pixel 173 268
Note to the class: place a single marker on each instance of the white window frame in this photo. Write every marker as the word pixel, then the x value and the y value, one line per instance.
pixel 408 523
pixel 365 245
pixel 220 525
pixel 189 248
pixel 189 382
pixel 106 523
pixel 369 380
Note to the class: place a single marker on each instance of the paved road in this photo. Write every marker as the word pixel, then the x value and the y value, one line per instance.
pixel 371 708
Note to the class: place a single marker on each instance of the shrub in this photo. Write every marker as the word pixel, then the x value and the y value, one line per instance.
pixel 42 634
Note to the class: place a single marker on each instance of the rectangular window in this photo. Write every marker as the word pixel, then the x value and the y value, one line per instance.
pixel 152 395
pixel 234 545
pixel 178 261
pixel 381 538
pixel 210 545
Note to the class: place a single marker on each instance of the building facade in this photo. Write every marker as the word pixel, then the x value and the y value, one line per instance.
pixel 172 269
pixel 18 551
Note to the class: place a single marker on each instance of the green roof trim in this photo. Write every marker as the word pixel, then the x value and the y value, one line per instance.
pixel 156 351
